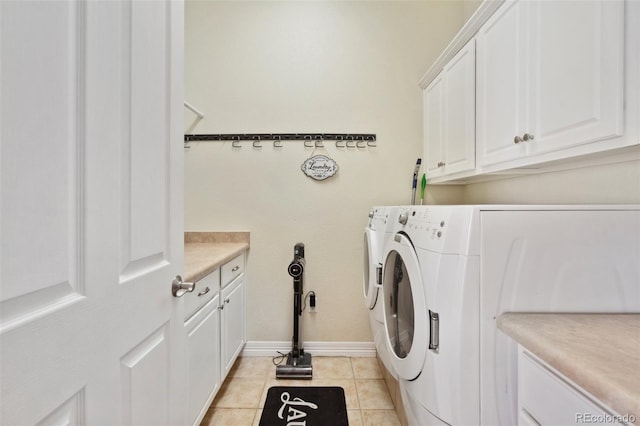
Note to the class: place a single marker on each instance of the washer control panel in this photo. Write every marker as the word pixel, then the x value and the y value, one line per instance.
pixel 442 229
pixel 424 219
pixel 378 217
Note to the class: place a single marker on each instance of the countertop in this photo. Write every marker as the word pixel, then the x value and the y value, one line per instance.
pixel 206 251
pixel 598 352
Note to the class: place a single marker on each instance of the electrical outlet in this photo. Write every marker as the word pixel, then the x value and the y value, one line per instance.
pixel 313 302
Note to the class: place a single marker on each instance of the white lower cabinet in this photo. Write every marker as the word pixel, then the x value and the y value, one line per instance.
pixel 545 397
pixel 215 330
pixel 233 323
pixel 203 358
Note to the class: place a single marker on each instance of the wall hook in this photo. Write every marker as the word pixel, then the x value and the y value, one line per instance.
pixel 277 141
pixel 256 142
pixel 350 142
pixel 340 142
pixel 307 139
pixel 235 143
pixel 319 142
pixel 193 109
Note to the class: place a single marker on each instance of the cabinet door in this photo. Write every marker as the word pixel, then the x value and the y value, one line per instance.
pixel 203 347
pixel 501 83
pixel 460 111
pixel 576 83
pixel 233 323
pixel 433 126
pixel 551 70
pixel 546 398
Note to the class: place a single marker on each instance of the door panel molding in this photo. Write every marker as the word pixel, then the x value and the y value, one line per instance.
pixel 145 367
pixel 42 183
pixel 70 413
pixel 145 192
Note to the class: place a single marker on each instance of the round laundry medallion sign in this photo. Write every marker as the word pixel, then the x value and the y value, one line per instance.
pixel 319 167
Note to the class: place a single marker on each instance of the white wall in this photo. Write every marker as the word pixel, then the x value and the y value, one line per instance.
pixel 469 7
pixel 307 66
pixel 612 184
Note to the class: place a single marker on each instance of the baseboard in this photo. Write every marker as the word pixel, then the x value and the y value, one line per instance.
pixel 271 348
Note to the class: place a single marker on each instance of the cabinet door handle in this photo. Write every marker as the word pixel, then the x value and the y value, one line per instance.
pixel 517 139
pixel 226 300
pixel 527 137
pixel 235 268
pixel 441 163
pixel 205 291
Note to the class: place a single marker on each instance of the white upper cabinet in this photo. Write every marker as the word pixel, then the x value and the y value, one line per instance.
pixel 449 116
pixel 501 79
pixel 550 75
pixel 433 127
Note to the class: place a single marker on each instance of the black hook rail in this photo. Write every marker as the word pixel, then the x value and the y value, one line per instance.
pixel 348 140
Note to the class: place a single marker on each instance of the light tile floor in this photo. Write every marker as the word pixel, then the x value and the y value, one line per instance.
pixel 241 398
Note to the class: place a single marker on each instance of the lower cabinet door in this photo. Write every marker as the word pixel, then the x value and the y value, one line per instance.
pixel 233 323
pixel 203 347
pixel 546 398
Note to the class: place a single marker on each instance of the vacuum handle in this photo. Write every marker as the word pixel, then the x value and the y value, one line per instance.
pixel 296 267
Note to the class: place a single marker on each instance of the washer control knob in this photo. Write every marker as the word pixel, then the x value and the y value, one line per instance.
pixel 402 219
pixel 371 214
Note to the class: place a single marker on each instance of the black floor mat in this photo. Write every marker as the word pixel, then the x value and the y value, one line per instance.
pixel 304 405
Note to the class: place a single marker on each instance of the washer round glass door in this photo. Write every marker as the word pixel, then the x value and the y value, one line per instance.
pixel 405 308
pixel 371 263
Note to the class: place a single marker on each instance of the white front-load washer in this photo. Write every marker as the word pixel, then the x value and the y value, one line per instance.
pixel 376 235
pixel 477 262
pixel 427 307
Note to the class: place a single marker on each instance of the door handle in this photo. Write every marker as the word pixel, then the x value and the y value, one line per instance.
pixel 179 287
pixel 434 331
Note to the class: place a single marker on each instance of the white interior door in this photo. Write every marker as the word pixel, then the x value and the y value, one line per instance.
pixel 91 213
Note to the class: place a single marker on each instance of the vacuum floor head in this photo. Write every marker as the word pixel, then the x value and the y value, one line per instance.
pixel 294 372
pixel 296 368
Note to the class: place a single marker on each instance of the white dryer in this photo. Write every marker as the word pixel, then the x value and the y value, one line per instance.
pixel 450 271
pixel 376 234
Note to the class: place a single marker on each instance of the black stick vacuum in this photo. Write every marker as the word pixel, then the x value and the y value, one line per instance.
pixel 298 364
